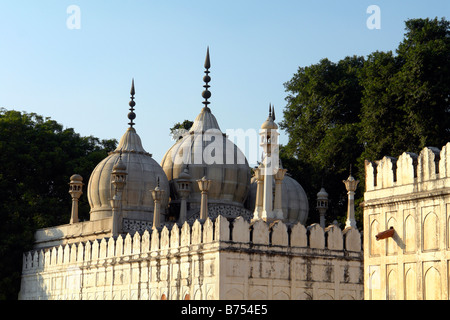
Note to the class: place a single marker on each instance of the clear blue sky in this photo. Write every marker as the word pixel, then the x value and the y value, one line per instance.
pixel 81 77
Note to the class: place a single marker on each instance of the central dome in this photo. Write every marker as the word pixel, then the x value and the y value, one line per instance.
pixel 206 151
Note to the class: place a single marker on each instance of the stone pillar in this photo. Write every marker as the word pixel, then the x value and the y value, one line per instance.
pixel 118 180
pixel 278 205
pixel 157 194
pixel 204 185
pixel 75 190
pixel 259 176
pixel 350 185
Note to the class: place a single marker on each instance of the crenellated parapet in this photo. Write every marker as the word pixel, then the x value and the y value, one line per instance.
pixel 272 236
pixel 406 226
pixel 207 259
pixel 426 171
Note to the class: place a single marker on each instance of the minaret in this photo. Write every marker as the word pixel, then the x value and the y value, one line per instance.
pixel 269 142
pixel 350 185
pixel 119 174
pixel 203 185
pixel 118 180
pixel 157 194
pixel 259 176
pixel 183 188
pixel 75 190
pixel 322 205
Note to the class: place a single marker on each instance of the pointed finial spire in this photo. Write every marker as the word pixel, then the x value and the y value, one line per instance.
pixel 131 114
pixel 207 62
pixel 270 110
pixel 273 113
pixel 206 94
pixel 132 87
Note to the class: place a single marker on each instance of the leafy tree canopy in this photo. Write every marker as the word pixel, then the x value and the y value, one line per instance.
pixel 37 158
pixel 341 113
pixel 180 128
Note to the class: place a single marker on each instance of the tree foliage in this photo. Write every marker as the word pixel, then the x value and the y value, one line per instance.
pixel 37 158
pixel 359 108
pixel 406 97
pixel 180 128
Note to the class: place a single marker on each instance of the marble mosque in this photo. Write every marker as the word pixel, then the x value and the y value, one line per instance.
pixel 207 227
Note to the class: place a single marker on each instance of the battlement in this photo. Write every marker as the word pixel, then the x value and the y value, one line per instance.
pixel 430 165
pixel 408 196
pixel 269 237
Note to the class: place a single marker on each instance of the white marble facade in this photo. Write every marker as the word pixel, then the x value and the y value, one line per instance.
pixel 203 261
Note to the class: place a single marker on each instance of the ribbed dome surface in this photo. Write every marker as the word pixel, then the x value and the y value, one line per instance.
pixel 294 200
pixel 143 173
pixel 204 121
pixel 209 153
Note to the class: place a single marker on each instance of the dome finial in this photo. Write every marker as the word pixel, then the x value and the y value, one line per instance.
pixel 131 114
pixel 273 113
pixel 207 62
pixel 206 94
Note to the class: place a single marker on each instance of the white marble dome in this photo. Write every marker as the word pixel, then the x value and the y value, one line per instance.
pixel 294 200
pixel 143 174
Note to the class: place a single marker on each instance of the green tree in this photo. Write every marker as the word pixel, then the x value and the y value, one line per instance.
pixel 342 113
pixel 180 128
pixel 322 121
pixel 381 118
pixel 424 80
pixel 406 97
pixel 37 158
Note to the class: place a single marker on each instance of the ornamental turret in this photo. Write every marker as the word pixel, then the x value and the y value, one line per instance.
pixel 269 143
pixel 322 205
pixel 75 190
pixel 350 185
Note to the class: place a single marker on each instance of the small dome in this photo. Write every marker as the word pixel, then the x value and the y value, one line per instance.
pixel 76 177
pixel 120 166
pixel 322 194
pixel 185 175
pixel 142 175
pixel 269 124
pixel 294 200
